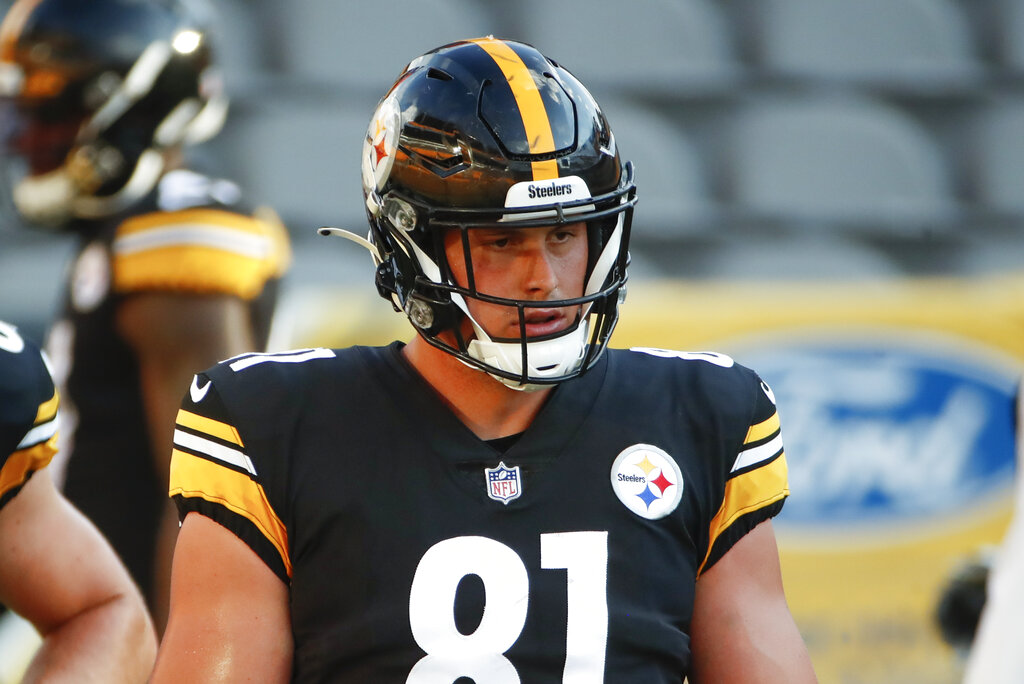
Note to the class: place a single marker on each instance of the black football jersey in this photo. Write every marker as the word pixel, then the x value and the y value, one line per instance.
pixel 28 412
pixel 415 552
pixel 186 237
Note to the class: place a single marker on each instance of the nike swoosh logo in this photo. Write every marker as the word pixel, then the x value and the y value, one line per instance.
pixel 196 392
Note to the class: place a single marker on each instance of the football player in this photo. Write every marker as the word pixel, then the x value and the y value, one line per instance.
pixel 171 273
pixel 56 570
pixel 501 499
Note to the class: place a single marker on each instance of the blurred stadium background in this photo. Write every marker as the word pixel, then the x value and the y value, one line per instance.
pixel 830 190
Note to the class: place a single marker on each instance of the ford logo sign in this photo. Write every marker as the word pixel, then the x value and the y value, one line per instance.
pixel 877 430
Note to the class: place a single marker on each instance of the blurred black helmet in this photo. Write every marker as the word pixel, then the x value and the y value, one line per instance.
pixel 96 91
pixel 491 133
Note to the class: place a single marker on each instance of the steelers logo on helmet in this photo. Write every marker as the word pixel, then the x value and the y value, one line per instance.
pixel 566 190
pixel 647 481
pixel 381 144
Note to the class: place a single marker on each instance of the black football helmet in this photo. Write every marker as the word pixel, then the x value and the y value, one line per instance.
pixel 491 133
pixel 97 90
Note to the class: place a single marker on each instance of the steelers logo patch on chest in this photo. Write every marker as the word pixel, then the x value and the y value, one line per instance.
pixel 647 481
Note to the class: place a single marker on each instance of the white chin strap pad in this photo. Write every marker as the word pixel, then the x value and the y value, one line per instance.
pixel 545 359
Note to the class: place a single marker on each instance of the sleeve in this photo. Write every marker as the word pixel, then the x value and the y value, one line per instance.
pixel 214 471
pixel 756 481
pixel 199 250
pixel 28 412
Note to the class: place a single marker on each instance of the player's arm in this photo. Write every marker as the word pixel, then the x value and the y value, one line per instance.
pixel 174 335
pixel 742 630
pixel 229 619
pixel 58 572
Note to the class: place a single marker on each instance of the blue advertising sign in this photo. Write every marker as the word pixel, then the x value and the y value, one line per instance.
pixel 878 432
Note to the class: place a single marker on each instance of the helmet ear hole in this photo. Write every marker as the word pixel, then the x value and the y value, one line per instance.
pixel 431 316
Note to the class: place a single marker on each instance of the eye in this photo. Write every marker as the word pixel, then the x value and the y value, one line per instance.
pixel 566 234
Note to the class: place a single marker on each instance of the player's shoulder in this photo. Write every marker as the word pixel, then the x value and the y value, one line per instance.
pixel 704 381
pixel 253 391
pixel 285 373
pixel 22 365
pixel 26 386
pixel 701 367
pixel 276 371
pixel 189 236
pixel 188 199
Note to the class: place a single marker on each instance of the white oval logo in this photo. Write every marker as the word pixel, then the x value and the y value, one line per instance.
pixel 647 481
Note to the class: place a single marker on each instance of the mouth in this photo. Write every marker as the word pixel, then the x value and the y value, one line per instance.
pixel 544 322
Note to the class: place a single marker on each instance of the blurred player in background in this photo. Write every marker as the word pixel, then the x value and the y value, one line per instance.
pixel 56 570
pixel 171 273
pixel 499 499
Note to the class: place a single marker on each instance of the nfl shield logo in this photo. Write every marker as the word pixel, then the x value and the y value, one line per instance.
pixel 503 483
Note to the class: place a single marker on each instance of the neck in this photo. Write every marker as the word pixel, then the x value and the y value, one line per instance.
pixel 484 405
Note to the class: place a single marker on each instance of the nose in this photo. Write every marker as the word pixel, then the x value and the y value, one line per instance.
pixel 540 274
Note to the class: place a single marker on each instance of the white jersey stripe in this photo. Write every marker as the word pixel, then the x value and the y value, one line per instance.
pixel 210 448
pixel 254 359
pixel 749 457
pixel 196 235
pixel 39 434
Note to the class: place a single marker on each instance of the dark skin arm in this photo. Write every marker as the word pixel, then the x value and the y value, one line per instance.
pixel 175 336
pixel 742 630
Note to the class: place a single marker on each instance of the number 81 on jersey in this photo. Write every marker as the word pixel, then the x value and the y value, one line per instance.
pixel 480 655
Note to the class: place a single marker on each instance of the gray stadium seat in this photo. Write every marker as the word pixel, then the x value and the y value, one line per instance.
pixel 665 48
pixel 366 44
pixel 242 53
pixel 302 158
pixel 839 161
pixel 997 149
pixel 675 200
pixel 1010 28
pixel 822 257
pixel 918 46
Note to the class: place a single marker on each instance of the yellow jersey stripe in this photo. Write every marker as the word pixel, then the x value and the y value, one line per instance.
pixel 531 105
pixel 192 476
pixel 48 409
pixel 209 426
pixel 207 217
pixel 20 463
pixel 763 429
pixel 199 251
pixel 191 269
pixel 745 493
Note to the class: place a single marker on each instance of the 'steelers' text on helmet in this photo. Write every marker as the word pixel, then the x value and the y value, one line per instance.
pixel 491 132
pixel 99 90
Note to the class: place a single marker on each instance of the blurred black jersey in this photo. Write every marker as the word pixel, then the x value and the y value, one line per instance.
pixel 187 237
pixel 394 525
pixel 28 412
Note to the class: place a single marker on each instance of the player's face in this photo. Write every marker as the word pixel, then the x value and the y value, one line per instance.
pixel 532 264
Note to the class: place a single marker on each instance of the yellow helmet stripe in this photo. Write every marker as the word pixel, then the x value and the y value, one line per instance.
pixel 531 106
